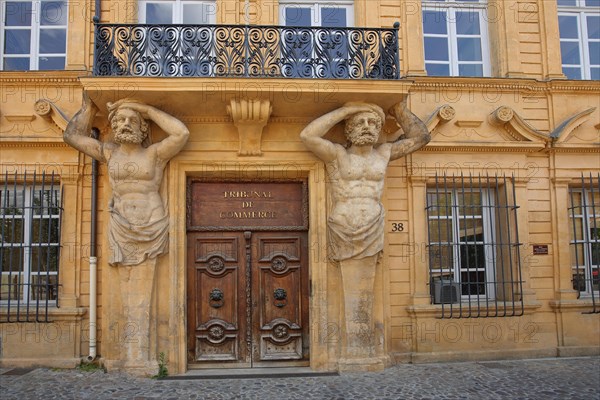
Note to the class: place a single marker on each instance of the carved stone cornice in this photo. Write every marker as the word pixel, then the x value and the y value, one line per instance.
pixel 250 117
pixel 24 142
pixel 488 147
pixel 63 78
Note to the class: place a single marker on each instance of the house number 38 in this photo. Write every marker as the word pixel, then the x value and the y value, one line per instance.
pixel 397 226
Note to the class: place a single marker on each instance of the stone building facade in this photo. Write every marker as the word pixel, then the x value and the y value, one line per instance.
pixel 491 246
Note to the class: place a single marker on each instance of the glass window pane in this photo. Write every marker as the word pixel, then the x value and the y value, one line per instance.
pixel 440 230
pixel 595 74
pixel 436 49
pixel 470 203
pixel 51 63
pixel 568 27
pixel 11 230
pixel 434 22
pixel 467 23
pixel 53 41
pixel 18 13
pixel 579 281
pixel 11 288
pixel 297 16
pixel 44 230
pixel 46 202
pixel 469 49
pixel 11 201
pixel 44 259
pixel 159 13
pixel 197 14
pixel 576 228
pixel 566 2
pixel 570 53
pixel 592 3
pixel 440 258
pixel 572 73
pixel 17 41
pixel 440 203
pixel 575 202
pixel 44 287
pixel 593 26
pixel 54 13
pixel 437 69
pixel 16 64
pixel 333 17
pixel 473 283
pixel 594 48
pixel 470 230
pixel 470 70
pixel 11 259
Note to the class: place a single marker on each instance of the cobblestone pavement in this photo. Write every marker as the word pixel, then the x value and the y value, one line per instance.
pixel 566 378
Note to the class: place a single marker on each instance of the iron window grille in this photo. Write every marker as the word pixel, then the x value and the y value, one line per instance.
pixel 584 213
pixel 473 247
pixel 30 218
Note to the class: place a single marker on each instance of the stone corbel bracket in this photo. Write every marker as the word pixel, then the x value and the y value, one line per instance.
pixel 250 117
pixel 515 126
pixel 563 131
pixel 50 112
pixel 440 116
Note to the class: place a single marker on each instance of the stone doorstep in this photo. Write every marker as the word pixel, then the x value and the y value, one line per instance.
pixel 249 373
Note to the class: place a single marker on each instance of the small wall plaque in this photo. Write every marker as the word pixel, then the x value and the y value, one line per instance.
pixel 540 249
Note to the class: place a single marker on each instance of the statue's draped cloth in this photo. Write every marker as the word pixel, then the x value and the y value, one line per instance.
pixel 132 244
pixel 365 239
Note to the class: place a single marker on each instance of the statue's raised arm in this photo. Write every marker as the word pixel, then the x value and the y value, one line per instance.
pixel 78 130
pixel 415 135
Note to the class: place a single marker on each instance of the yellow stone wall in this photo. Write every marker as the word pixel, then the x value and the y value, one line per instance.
pixel 527 78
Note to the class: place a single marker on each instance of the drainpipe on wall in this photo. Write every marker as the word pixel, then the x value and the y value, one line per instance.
pixel 93 258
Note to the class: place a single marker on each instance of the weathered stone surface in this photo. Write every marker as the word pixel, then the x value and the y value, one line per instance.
pixel 356 222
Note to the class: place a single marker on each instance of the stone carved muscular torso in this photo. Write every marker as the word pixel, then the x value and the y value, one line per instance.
pixel 357 173
pixel 138 227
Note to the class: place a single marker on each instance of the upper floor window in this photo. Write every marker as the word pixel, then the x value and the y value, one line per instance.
pixel 29 245
pixel 163 12
pixel 33 35
pixel 330 14
pixel 474 260
pixel 455 38
pixel 584 213
pixel 579 25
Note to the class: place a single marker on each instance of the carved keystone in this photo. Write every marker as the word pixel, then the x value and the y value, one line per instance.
pixel 250 117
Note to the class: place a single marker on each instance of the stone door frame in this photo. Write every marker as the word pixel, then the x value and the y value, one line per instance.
pixel 322 352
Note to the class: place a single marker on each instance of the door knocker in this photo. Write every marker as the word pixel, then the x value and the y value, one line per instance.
pixel 280 297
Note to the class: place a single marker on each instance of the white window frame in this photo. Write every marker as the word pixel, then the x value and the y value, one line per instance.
pixel 34 46
pixel 580 11
pixel 487 203
pixel 586 218
pixel 315 9
pixel 29 242
pixel 451 7
pixel 178 6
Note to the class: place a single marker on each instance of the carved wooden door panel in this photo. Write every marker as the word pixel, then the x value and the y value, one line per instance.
pixel 280 297
pixel 247 316
pixel 217 305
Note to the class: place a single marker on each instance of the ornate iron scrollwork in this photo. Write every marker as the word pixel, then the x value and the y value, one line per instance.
pixel 280 296
pixel 246 51
pixel 215 298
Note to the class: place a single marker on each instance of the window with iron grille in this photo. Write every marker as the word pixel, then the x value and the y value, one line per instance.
pixel 584 213
pixel 474 256
pixel 30 212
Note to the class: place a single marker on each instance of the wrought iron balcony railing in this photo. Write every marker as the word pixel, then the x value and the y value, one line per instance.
pixel 246 51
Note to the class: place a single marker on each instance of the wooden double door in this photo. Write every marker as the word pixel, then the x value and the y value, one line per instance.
pixel 247 298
